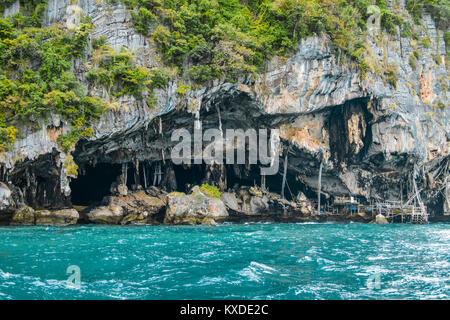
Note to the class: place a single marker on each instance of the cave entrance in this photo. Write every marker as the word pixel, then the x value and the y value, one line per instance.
pixel 343 150
pixel 94 184
pixel 292 188
pixel 240 176
pixel 188 176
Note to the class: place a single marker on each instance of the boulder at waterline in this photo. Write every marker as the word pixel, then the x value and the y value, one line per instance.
pixel 23 216
pixel 62 217
pixel 105 215
pixel 380 219
pixel 195 208
pixel 230 201
pixel 134 208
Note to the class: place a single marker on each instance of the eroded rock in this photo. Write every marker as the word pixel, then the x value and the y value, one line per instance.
pixel 135 208
pixel 195 208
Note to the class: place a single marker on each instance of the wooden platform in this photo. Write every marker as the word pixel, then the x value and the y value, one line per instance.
pixel 395 210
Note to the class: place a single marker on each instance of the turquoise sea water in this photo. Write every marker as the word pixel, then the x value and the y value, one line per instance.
pixel 249 261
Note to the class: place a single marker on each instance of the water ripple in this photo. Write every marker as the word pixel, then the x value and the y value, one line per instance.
pixel 249 261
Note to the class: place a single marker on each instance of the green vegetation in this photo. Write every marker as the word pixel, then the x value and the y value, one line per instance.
pixel 426 42
pixel 32 12
pixel 209 39
pixel 201 40
pixel 389 20
pixel 118 73
pixel 413 61
pixel 230 38
pixel 36 75
pixel 210 191
pixel 413 58
pixel 447 42
pixel 439 9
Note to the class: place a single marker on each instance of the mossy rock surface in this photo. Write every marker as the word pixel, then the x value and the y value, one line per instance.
pixel 23 217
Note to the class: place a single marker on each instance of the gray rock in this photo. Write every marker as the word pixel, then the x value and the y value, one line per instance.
pixel 135 208
pixel 5 197
pixel 195 208
pixel 230 201
pixel 258 205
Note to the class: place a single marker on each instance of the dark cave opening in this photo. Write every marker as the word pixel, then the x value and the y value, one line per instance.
pixel 188 175
pixel 292 188
pixel 341 148
pixel 239 176
pixel 95 182
pixel 39 182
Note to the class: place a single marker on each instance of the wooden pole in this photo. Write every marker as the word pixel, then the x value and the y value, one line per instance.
pixel 145 175
pixel 319 187
pixel 419 200
pixel 124 173
pixel 285 172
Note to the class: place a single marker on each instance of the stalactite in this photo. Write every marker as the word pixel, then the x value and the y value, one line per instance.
pixel 124 173
pixel 158 174
pixel 145 175
pixel 27 176
pixel 263 182
pixel 137 179
pixel 289 189
pixel 169 181
pixel 220 120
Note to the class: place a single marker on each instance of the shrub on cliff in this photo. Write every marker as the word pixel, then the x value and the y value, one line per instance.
pixel 210 191
pixel 36 74
pixel 231 38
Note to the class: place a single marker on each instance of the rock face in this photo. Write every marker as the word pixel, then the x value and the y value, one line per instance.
pixel 369 134
pixel 26 216
pixel 134 208
pixel 5 197
pixel 56 217
pixel 23 217
pixel 230 201
pixel 195 208
pixel 255 204
pixel 105 215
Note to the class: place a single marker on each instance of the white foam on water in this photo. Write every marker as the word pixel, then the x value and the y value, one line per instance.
pixel 264 267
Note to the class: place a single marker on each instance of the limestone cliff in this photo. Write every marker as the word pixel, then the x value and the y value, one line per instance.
pixel 373 135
